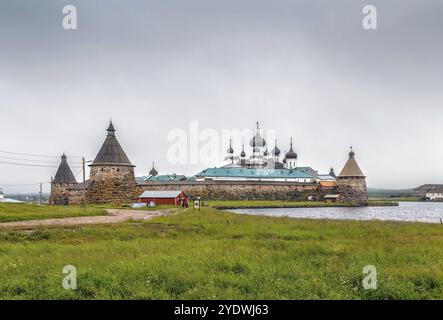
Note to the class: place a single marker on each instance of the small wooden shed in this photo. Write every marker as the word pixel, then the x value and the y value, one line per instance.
pixel 177 197
pixel 332 198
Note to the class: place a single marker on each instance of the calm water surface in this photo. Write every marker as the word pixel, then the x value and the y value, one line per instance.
pixel 430 212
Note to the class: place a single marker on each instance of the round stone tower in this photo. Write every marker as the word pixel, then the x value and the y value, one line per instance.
pixel 351 182
pixel 112 180
pixel 63 180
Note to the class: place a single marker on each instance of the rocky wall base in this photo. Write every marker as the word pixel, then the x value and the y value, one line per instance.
pixel 353 190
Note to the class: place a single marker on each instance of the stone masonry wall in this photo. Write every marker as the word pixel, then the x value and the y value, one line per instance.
pixel 112 185
pixel 244 191
pixel 353 189
pixel 60 193
pixel 75 197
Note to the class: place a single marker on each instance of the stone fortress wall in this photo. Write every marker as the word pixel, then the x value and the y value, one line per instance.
pixel 112 185
pixel 60 192
pixel 247 190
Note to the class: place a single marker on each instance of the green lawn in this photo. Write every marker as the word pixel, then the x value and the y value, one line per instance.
pixel 18 212
pixel 210 254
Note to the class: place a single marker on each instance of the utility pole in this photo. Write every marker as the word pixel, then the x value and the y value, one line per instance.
pixel 84 184
pixel 40 195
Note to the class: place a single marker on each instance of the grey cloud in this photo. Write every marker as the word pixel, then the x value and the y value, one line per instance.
pixel 304 68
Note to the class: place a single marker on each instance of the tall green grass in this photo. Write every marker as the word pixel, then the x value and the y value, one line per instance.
pixel 22 211
pixel 210 254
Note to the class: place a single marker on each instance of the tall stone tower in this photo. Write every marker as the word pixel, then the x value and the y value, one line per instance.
pixel 64 179
pixel 112 180
pixel 351 182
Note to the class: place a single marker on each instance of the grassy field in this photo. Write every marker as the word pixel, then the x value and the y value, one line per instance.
pixel 210 254
pixel 18 212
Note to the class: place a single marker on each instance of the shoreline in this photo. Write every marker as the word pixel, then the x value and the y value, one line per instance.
pixel 305 205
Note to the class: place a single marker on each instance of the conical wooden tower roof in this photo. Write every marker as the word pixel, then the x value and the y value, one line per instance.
pixel 351 168
pixel 111 152
pixel 64 173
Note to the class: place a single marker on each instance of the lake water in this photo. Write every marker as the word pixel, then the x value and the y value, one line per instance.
pixel 430 212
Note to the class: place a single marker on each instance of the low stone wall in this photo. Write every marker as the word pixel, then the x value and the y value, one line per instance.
pixel 76 197
pixel 251 190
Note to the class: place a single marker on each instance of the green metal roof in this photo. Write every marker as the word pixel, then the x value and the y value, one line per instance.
pixel 254 173
pixel 166 177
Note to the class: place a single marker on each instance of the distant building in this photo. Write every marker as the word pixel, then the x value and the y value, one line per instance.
pixel 260 157
pixel 435 194
pixel 7 200
pixel 332 198
pixel 425 189
pixel 255 174
pixel 262 165
pixel 154 176
pixel 172 197
pixel 264 176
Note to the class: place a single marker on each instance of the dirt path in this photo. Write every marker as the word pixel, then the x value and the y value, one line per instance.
pixel 115 216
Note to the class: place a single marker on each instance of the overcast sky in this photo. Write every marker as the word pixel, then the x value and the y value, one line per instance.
pixel 305 69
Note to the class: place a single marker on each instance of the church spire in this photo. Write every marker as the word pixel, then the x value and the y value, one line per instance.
pixel 351 153
pixel 153 172
pixel 257 141
pixel 291 153
pixel 231 151
pixel 111 130
pixel 276 150
pixel 243 153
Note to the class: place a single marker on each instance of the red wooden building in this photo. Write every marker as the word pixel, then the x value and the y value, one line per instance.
pixel 164 197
